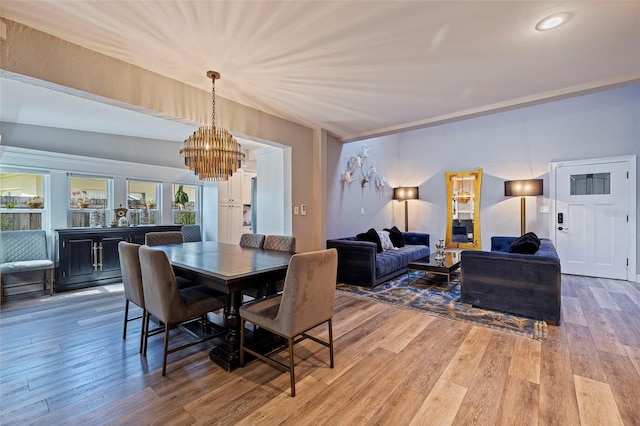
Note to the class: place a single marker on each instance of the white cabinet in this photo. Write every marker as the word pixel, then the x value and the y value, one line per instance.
pixel 245 188
pixel 233 196
pixel 229 223
pixel 237 189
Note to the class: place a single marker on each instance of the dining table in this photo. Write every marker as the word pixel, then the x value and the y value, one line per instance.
pixel 228 268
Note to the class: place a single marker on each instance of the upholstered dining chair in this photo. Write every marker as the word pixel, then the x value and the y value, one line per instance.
pixel 132 282
pixel 280 243
pixel 162 238
pixel 191 233
pixel 306 302
pixel 252 240
pixel 171 305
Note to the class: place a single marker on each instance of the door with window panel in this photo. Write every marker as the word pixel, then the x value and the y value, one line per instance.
pixel 591 223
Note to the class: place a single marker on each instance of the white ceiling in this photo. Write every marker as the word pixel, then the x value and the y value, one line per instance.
pixel 355 68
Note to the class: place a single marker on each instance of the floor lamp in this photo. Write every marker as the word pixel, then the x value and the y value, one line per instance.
pixel 522 188
pixel 406 193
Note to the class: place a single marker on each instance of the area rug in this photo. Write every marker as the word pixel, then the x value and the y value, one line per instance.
pixel 423 293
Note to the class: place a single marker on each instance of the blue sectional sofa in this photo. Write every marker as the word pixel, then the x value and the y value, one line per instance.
pixel 360 264
pixel 523 284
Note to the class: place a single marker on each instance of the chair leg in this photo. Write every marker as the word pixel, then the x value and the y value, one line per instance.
pixel 146 332
pixel 142 330
pixel 330 344
pixel 126 318
pixel 242 334
pixel 51 279
pixel 166 348
pixel 292 373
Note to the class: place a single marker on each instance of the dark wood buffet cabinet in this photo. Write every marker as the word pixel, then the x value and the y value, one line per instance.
pixel 89 256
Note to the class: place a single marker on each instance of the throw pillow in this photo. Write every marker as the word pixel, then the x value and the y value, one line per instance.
pixel 533 236
pixel 526 244
pixel 385 241
pixel 396 236
pixel 372 236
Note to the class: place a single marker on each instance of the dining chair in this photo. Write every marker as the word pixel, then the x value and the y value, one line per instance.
pixel 133 293
pixel 171 305
pixel 252 240
pixel 132 282
pixel 191 233
pixel 280 243
pixel 305 303
pixel 162 238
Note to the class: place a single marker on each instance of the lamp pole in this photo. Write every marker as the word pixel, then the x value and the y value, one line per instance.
pixel 406 215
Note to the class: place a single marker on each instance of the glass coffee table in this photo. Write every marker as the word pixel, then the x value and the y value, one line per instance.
pixel 433 265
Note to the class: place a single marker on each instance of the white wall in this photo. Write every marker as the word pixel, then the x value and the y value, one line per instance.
pixel 270 195
pixel 518 144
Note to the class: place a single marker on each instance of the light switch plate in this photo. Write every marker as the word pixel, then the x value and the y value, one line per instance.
pixel 296 210
pixel 303 210
pixel 544 209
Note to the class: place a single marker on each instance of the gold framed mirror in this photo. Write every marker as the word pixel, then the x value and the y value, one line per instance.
pixel 463 209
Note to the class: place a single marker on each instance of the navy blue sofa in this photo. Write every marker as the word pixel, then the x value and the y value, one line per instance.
pixel 360 264
pixel 523 284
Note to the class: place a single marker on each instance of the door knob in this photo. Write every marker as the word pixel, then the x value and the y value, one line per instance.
pixel 560 228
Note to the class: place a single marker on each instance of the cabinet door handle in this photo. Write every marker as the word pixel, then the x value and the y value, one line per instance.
pixel 95 256
pixel 101 255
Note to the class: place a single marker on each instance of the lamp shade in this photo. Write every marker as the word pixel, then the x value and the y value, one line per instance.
pixel 522 187
pixel 406 193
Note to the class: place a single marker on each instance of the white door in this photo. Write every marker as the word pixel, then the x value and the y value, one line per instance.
pixel 591 218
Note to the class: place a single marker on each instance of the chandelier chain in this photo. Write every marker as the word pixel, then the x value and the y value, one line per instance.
pixel 213 102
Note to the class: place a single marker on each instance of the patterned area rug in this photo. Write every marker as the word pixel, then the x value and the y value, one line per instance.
pixel 426 294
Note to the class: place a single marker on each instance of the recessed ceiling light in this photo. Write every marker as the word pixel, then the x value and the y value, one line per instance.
pixel 553 21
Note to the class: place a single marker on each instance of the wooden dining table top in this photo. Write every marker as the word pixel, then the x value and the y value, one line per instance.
pixel 226 267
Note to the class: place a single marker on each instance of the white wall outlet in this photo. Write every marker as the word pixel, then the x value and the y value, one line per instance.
pixel 362 210
pixel 544 209
pixel 296 210
pixel 303 210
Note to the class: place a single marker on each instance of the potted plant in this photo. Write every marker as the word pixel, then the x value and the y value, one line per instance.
pixel 36 202
pixel 181 198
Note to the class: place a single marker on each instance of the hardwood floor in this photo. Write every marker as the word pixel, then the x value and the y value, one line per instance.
pixel 63 361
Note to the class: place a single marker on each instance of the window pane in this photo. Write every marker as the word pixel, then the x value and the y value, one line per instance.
pixel 183 217
pixel 590 184
pixel 21 200
pixel 141 194
pixel 185 204
pixel 142 199
pixel 89 201
pixel 184 196
pixel 90 193
pixel 20 221
pixel 21 190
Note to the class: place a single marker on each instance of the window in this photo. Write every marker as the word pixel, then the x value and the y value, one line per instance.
pixel 22 200
pixel 186 203
pixel 143 202
pixel 591 184
pixel 88 195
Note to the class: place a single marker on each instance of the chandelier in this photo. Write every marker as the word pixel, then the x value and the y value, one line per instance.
pixel 211 152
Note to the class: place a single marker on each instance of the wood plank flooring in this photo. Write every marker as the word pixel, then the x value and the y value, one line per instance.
pixel 63 361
